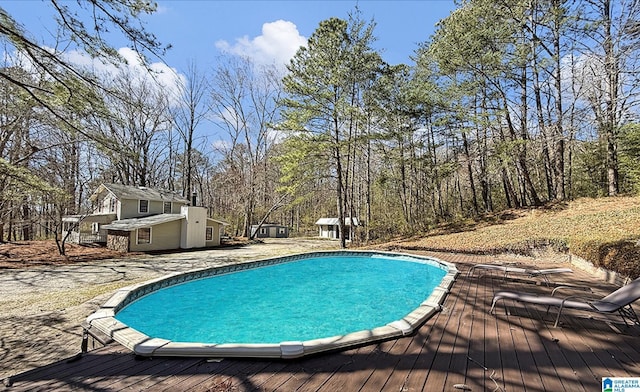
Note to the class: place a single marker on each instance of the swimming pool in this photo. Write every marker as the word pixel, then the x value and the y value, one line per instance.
pixel 283 307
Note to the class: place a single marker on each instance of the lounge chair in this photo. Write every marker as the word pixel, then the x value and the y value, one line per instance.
pixel 618 301
pixel 532 273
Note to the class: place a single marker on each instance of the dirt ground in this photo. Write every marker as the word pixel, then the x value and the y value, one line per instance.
pixel 44 297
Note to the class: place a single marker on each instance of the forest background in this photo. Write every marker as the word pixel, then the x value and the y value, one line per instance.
pixel 510 104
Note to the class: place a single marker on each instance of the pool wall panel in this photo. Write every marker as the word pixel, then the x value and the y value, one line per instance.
pixel 105 322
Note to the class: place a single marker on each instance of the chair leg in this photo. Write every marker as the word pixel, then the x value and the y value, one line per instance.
pixel 555 325
pixel 634 316
pixel 628 312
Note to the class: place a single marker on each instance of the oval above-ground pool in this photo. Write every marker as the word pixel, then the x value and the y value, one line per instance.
pixel 284 307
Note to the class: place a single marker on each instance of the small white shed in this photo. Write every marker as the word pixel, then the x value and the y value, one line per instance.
pixel 330 227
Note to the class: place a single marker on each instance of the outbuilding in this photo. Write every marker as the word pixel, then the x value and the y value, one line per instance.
pixel 270 230
pixel 330 227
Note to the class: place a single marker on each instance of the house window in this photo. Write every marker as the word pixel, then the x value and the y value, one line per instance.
pixel 209 234
pixel 112 205
pixel 263 230
pixel 95 227
pixel 167 207
pixel 143 206
pixel 281 230
pixel 144 235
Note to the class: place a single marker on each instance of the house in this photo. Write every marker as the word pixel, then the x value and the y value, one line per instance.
pixel 270 230
pixel 185 230
pixel 129 218
pixel 330 227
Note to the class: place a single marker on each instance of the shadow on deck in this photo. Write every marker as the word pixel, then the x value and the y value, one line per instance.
pixel 516 349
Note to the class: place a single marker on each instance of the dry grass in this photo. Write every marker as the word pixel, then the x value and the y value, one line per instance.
pixel 604 231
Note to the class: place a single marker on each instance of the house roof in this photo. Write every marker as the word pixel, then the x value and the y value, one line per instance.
pixel 336 221
pixel 137 223
pixel 223 223
pixel 138 193
pixel 88 217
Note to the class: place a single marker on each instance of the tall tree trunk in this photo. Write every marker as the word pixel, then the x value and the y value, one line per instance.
pixel 26 220
pixel 403 182
pixel 610 121
pixel 509 192
pixel 558 128
pixel 527 188
pixel 472 183
pixel 249 207
pixel 481 133
pixel 540 117
pixel 340 198
pixel 368 189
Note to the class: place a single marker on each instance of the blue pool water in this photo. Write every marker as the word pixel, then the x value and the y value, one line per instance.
pixel 294 301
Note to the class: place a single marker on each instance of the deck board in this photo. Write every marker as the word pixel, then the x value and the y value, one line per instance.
pixel 356 367
pixel 551 365
pixel 492 371
pixel 463 344
pixel 258 380
pixel 404 365
pixel 463 338
pixel 388 356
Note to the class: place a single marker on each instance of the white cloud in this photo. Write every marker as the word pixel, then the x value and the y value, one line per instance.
pixel 279 42
pixel 221 145
pixel 166 78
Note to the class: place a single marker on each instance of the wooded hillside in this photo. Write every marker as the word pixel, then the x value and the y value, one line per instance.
pixel 603 231
pixel 510 104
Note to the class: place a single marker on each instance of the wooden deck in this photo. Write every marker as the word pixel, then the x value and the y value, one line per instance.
pixel 515 350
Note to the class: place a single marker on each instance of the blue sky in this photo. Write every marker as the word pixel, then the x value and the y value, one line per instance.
pixel 267 31
pixel 200 30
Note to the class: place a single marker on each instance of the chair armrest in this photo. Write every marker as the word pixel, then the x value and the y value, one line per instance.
pixel 553 292
pixel 586 300
pixel 548 271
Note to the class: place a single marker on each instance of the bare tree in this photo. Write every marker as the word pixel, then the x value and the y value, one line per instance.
pixel 188 112
pixel 244 104
pixel 68 80
pixel 136 130
pixel 608 74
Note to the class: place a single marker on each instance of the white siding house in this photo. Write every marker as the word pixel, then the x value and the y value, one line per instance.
pixel 129 218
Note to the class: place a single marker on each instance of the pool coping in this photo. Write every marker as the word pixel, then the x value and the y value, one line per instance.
pixel 104 321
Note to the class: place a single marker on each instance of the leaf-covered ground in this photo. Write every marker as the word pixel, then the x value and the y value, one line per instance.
pixel 604 231
pixel 31 253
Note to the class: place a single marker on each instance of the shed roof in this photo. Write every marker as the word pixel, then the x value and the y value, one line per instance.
pixel 137 223
pixel 138 193
pixel 336 221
